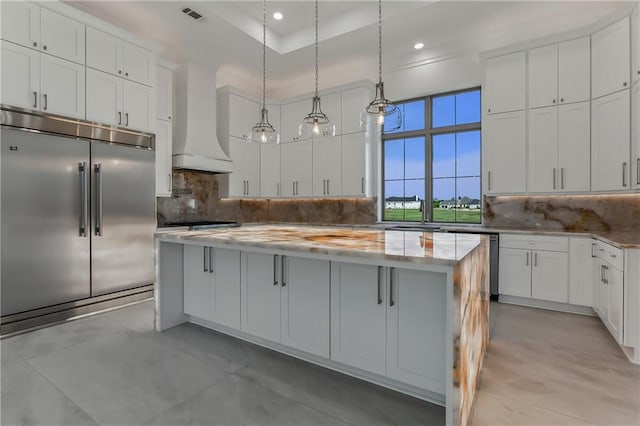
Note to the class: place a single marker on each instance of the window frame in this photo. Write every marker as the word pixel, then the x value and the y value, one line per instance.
pixel 428 132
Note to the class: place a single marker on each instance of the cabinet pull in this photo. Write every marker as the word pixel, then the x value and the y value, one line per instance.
pixel 601 273
pixel 119 118
pixel 593 247
pixel 211 260
pixel 535 259
pixel 126 74
pixel 275 267
pixel 46 103
pixel 489 177
pixel 293 190
pixel 554 101
pixel 204 259
pixel 638 171
pixel 324 186
pixel 379 285
pixel 624 84
pixel 126 117
pixel 554 178
pixel 561 177
pixel 169 182
pixel 35 44
pixel 35 99
pixel 605 279
pixel 527 261
pixel 247 187
pixel 561 99
pixel 328 187
pixel 278 188
pixel 624 174
pixel 83 199
pixel 391 301
pixel 44 47
pixel 362 184
pixel 282 264
pixel 120 72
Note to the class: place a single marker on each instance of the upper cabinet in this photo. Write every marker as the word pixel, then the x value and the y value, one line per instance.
pixel 505 83
pixel 243 114
pixel 291 116
pixel 504 153
pixel 353 103
pixel 635 45
pixel 164 130
pixel 559 73
pixel 164 94
pixel 610 60
pixel 39 28
pixel 118 57
pixel 635 136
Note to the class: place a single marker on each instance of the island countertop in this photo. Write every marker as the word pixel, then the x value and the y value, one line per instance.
pixel 406 246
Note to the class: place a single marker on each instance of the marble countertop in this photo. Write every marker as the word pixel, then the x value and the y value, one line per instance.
pixel 407 246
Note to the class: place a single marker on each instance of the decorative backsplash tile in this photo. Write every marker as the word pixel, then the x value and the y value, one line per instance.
pixel 564 212
pixel 196 197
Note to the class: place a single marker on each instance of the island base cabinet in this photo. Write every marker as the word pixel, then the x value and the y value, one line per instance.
pixel 415 333
pixel 305 298
pixel 358 316
pixel 197 287
pixel 260 295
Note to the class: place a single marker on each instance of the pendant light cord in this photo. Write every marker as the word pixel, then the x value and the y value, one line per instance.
pixel 379 41
pixel 316 47
pixel 264 53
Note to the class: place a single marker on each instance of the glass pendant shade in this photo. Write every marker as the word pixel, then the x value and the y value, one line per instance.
pixel 263 132
pixel 316 123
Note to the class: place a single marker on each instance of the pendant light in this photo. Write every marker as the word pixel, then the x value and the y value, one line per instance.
pixel 381 107
pixel 263 131
pixel 316 123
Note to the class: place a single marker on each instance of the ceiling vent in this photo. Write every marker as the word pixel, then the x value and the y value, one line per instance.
pixel 197 16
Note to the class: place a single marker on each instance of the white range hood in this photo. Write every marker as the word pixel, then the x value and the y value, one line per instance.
pixel 195 143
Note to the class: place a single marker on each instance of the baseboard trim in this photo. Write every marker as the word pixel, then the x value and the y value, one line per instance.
pixel 545 304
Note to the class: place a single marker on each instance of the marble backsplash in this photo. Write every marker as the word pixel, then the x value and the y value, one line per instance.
pixel 578 213
pixel 196 197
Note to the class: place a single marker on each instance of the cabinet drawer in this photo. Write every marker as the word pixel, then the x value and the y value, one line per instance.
pixel 610 254
pixel 534 242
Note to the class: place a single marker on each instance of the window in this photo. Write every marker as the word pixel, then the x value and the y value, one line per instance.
pixel 431 166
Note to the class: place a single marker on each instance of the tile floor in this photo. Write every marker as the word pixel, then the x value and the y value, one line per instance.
pixel 543 368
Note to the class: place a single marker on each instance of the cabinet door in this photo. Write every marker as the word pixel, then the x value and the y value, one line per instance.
pixel 260 294
pixel 610 59
pixel 550 276
pixel 291 117
pixel 274 116
pixel 296 168
pixel 331 105
pixel 505 83
pixel 138 64
pixel 635 136
pixel 574 145
pixel 269 170
pixel 164 94
pixel 610 142
pixel 327 167
pixel 543 150
pixel 62 37
pixel 574 70
pixel 21 23
pixel 613 278
pixel 358 316
pixel 504 144
pixel 353 164
pixel 225 269
pixel 197 282
pixel 580 271
pixel 245 178
pixel 305 304
pixel 243 114
pixel 515 272
pixel 415 332
pixel 104 98
pixel 353 103
pixel 20 75
pixel 163 158
pixel 635 45
pixel 104 52
pixel 62 84
pixel 543 76
pixel 139 106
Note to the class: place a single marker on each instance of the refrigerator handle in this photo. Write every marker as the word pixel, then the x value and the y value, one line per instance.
pixel 98 226
pixel 83 198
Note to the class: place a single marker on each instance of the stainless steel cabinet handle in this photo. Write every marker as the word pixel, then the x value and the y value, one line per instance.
pixel 83 199
pixel 535 259
pixel 282 269
pixel 278 188
pixel 606 278
pixel 362 184
pixel 554 178
pixel 126 117
pixel 35 99
pixel 169 182
pixel 379 285
pixel 204 259
pixel 624 174
pixel 391 301
pixel 293 191
pixel 328 187
pixel 119 118
pixel 527 261
pixel 324 186
pixel 247 187
pixel 211 260
pixel 98 174
pixel 46 103
pixel 601 273
pixel 593 247
pixel 561 177
pixel 275 269
pixel 489 177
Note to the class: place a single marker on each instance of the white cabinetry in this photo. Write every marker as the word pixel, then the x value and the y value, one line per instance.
pixel 635 45
pixel 543 149
pixel 353 164
pixel 118 57
pixel 291 117
pixel 331 105
pixel 353 103
pixel 609 291
pixel 164 93
pixel 504 143
pixel 296 166
pixel 20 24
pixel 139 106
pixel 212 284
pixel 243 114
pixel 270 170
pixel 581 253
pixel 327 167
pixel 610 61
pixel 515 272
pixel 549 276
pixel 505 83
pixel 61 36
pixel 245 178
pixel 610 142
pixel 164 175
pixel 635 135
pixel 543 76
pixel 260 295
pixel 62 84
pixel 20 74
pixel 574 70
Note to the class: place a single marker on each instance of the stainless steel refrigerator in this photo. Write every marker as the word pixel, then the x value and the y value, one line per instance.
pixel 77 217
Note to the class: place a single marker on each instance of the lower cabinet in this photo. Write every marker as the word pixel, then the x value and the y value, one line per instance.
pixel 389 321
pixel 515 272
pixel 609 290
pixel 550 275
pixel 286 299
pixel 581 252
pixel 212 284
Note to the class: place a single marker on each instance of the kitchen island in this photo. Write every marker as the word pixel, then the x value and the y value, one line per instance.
pixel 406 310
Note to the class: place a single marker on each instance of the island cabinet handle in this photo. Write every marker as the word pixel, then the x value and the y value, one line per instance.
pixel 527 261
pixel 275 267
pixel 204 258
pixel 282 264
pixel 210 260
pixel 391 301
pixel 379 285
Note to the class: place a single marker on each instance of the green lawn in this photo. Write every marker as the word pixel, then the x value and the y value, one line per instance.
pixel 439 215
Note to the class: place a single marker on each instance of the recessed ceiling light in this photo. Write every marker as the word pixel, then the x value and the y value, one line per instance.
pixel 418 46
pixel 277 16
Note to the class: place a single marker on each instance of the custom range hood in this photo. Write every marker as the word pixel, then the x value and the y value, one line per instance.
pixel 195 143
